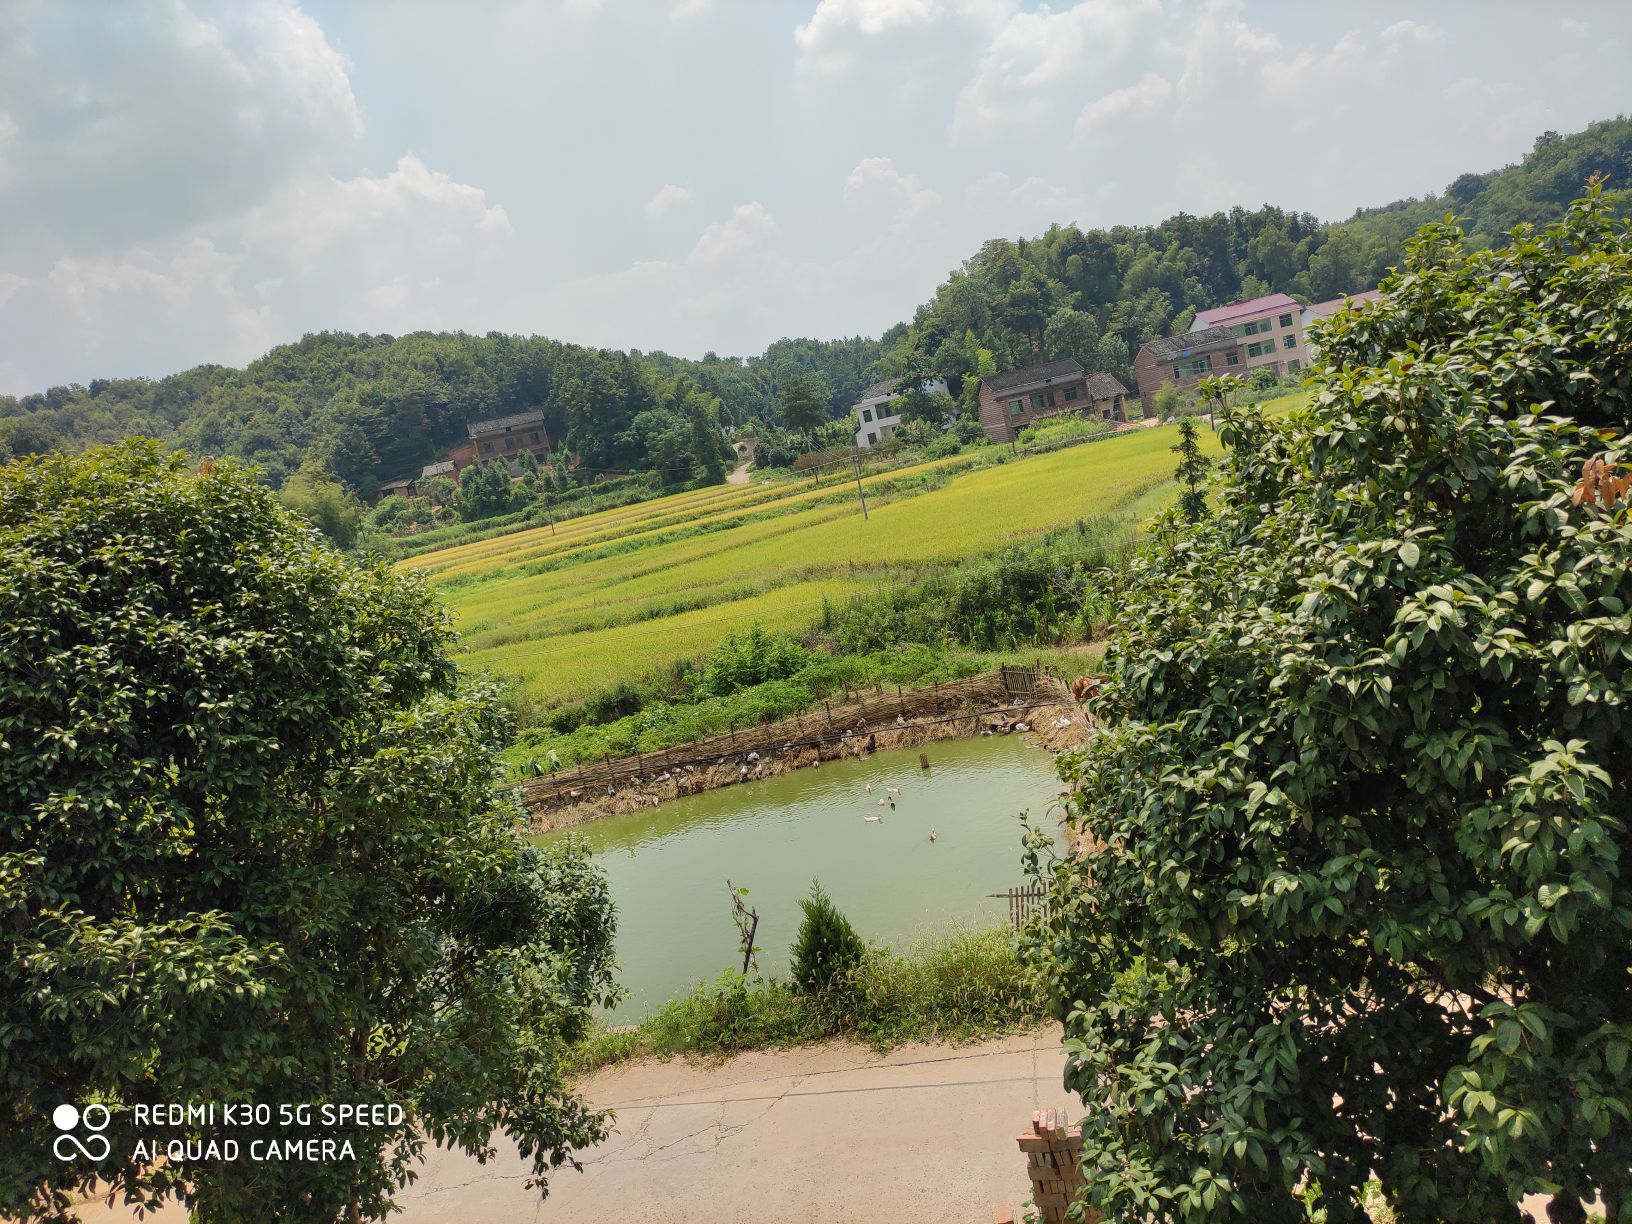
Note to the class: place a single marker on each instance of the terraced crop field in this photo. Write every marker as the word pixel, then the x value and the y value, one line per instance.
pixel 615 595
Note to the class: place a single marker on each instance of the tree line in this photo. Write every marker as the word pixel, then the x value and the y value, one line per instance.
pixel 362 409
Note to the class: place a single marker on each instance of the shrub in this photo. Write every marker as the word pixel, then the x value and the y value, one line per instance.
pixel 251 848
pixel 827 948
pixel 1362 792
pixel 745 659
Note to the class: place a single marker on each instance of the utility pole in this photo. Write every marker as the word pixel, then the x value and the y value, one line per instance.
pixel 860 492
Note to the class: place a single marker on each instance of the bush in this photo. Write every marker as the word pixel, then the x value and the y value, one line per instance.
pixel 1362 791
pixel 963 987
pixel 252 848
pixel 827 948
pixel 745 659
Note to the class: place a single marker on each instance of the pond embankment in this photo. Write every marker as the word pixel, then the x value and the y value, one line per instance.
pixel 1011 701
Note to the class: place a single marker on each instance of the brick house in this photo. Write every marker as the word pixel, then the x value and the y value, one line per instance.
pixel 1184 360
pixel 1270 330
pixel 1013 399
pixel 501 438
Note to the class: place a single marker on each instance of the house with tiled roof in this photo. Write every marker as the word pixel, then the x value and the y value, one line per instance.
pixel 1184 360
pixel 502 438
pixel 1270 329
pixel 1325 310
pixel 1011 400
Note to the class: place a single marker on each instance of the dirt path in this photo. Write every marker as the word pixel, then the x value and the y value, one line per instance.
pixel 738 475
pixel 820 1134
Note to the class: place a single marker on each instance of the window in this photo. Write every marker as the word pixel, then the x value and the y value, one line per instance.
pixel 1039 400
pixel 871 438
pixel 1293 366
pixel 534 436
pixel 1070 394
pixel 1261 348
pixel 1289 342
pixel 487 448
pixel 1017 407
pixel 1232 359
pixel 1286 320
pixel 867 415
pixel 1251 329
pixel 1194 368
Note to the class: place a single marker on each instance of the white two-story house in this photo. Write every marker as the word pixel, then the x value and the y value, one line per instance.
pixel 875 419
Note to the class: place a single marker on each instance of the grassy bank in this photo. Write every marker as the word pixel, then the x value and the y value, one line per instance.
pixel 965 987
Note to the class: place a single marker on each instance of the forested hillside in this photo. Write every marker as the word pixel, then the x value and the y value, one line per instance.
pixel 372 407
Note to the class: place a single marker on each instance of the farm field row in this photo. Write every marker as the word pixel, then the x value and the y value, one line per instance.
pixel 623 597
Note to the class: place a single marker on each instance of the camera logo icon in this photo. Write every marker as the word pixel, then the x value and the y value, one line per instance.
pixel 70 1118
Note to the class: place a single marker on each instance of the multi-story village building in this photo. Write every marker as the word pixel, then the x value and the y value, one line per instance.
pixel 876 419
pixel 1325 310
pixel 1184 360
pixel 1270 330
pixel 1013 399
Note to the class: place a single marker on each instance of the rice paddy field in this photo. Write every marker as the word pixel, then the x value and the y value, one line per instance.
pixel 616 595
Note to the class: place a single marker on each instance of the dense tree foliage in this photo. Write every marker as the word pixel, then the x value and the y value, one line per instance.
pixel 1099 294
pixel 1355 900
pixel 251 850
pixel 373 408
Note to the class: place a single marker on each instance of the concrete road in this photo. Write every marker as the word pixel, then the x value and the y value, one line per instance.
pixel 834 1133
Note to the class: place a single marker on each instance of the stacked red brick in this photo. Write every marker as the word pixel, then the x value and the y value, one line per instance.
pixel 1054 1164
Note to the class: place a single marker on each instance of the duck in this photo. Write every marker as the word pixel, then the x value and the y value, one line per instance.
pixel 932 835
pixel 882 802
pixel 892 805
pixel 869 788
pixel 872 819
pixel 892 790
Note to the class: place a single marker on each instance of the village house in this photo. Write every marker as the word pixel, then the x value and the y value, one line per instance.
pixel 442 467
pixel 398 488
pixel 1325 310
pixel 502 438
pixel 1270 330
pixel 1184 360
pixel 1013 399
pixel 876 421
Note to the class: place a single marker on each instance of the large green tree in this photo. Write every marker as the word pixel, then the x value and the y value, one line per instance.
pixel 1353 898
pixel 252 850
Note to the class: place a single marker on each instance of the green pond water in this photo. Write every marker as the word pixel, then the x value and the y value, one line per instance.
pixel 668 866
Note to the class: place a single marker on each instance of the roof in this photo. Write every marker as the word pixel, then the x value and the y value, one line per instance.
pixel 1324 310
pixel 879 390
pixel 1166 348
pixel 402 482
pixel 444 468
pixel 521 420
pixel 1220 316
pixel 1104 386
pixel 1049 371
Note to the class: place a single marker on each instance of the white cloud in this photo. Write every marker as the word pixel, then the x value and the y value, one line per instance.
pixel 833 37
pixel 308 218
pixel 129 293
pixel 1145 96
pixel 1029 206
pixel 667 198
pixel 10 282
pixel 1503 108
pixel 1404 34
pixel 1574 27
pixel 8 131
pixel 904 199
pixel 206 114
pixel 1036 53
pixel 681 9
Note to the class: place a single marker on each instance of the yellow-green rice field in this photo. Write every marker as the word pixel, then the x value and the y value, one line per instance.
pixel 615 595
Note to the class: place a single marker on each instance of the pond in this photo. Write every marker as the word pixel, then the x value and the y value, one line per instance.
pixel 668 867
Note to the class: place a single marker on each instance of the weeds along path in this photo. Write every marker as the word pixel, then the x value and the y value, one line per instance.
pixel 632 590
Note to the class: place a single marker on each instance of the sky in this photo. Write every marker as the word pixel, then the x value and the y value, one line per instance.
pixel 184 182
